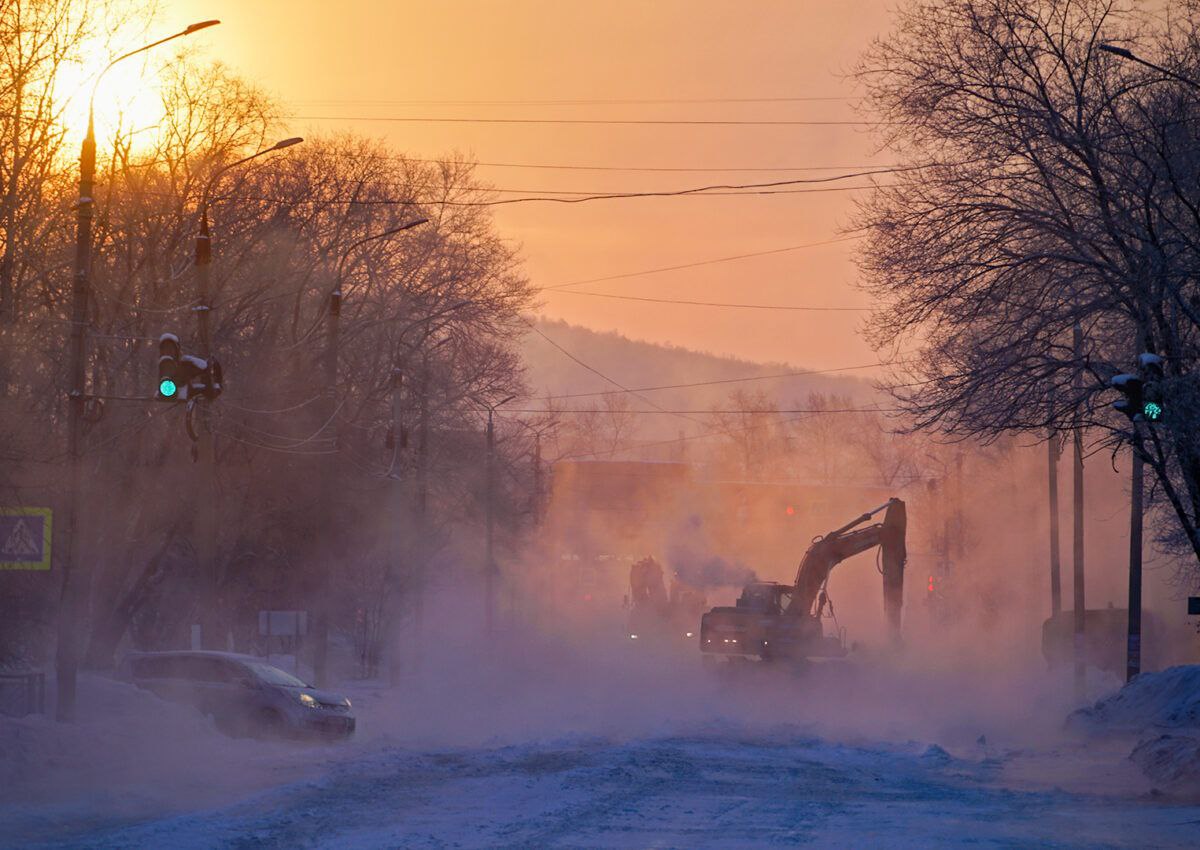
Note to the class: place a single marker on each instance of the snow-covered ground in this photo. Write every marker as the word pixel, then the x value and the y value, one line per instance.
pixel 548 747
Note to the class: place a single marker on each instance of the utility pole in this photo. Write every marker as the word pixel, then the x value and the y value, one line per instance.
pixel 74 587
pixel 74 591
pixel 1054 449
pixel 399 524
pixel 1133 658
pixel 328 485
pixel 1078 642
pixel 537 479
pixel 213 614
pixel 1142 402
pixel 489 560
pixel 206 456
pixel 329 469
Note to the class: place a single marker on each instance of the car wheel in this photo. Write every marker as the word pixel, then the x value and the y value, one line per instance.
pixel 269 724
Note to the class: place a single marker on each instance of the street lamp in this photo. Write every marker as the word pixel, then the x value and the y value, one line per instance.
pixel 489 565
pixel 1126 53
pixel 66 655
pixel 206 454
pixel 329 468
pixel 204 242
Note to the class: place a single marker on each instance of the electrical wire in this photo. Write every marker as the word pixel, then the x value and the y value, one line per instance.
pixel 713 261
pixel 586 101
pixel 716 411
pixel 649 169
pixel 277 410
pixel 687 122
pixel 723 381
pixel 237 439
pixel 595 371
pixel 714 303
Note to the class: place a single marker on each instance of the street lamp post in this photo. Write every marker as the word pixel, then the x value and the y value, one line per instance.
pixel 1126 53
pixel 67 652
pixel 329 468
pixel 489 558
pixel 206 454
pixel 1133 646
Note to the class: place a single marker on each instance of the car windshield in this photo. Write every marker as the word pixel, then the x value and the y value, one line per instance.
pixel 275 676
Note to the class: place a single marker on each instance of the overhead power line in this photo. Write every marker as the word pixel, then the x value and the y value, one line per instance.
pixel 586 101
pixel 687 122
pixel 709 262
pixel 724 381
pixel 791 307
pixel 596 371
pixel 806 411
pixel 656 169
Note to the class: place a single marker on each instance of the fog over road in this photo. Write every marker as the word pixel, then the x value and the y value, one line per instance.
pixel 545 747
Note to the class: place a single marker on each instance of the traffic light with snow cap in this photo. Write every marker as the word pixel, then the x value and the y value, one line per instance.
pixel 1153 400
pixel 168 368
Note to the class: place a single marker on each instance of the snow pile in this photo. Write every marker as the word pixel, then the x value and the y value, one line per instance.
pixel 1170 698
pixel 1172 760
pixel 128 753
pixel 1150 704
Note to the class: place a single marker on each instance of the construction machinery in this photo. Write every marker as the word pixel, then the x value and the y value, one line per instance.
pixel 773 621
pixel 655 615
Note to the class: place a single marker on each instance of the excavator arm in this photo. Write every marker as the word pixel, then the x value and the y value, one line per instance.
pixel 830 550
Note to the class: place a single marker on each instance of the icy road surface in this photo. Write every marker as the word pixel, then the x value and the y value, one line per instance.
pixel 553 747
pixel 716 790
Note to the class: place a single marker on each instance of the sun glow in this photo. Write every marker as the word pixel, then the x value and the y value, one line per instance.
pixel 128 103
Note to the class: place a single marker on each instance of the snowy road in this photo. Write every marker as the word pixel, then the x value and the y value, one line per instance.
pixel 713 790
pixel 545 747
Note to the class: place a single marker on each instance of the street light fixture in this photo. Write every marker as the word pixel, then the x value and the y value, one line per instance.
pixel 203 243
pixel 66 655
pixel 1126 53
pixel 205 450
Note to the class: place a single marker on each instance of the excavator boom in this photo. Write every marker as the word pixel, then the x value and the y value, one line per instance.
pixel 774 620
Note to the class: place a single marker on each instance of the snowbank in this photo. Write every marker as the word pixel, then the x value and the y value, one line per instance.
pixel 1170 760
pixel 129 753
pixel 1170 698
pixel 1149 706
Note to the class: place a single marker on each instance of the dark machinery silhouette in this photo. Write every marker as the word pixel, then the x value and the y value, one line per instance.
pixel 773 621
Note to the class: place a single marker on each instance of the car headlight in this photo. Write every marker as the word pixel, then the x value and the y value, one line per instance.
pixel 308 701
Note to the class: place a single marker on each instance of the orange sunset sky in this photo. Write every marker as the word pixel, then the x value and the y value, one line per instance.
pixel 355 64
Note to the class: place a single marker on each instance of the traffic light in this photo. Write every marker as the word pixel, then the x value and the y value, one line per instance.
pixel 1143 398
pixel 168 368
pixel 1130 386
pixel 1153 402
pixel 182 377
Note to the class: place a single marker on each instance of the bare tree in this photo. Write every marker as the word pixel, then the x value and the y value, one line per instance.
pixel 1050 186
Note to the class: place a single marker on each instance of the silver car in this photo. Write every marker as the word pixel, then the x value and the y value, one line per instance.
pixel 244 695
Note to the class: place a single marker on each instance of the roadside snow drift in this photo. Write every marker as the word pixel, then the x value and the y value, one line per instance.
pixel 1164 710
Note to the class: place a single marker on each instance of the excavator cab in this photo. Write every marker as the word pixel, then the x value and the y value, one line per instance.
pixel 764 597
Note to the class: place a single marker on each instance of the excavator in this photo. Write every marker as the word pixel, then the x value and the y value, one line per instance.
pixel 777 622
pixel 655 615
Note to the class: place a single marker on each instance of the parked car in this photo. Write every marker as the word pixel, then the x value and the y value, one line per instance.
pixel 244 695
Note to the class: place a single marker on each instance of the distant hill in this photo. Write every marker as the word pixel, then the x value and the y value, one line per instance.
pixel 637 364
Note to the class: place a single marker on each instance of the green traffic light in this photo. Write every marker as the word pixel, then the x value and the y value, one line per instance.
pixel 1152 411
pixel 167 388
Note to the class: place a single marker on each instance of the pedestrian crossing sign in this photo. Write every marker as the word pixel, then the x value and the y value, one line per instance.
pixel 25 538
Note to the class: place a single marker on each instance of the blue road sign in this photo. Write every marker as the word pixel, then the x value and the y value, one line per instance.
pixel 25 535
